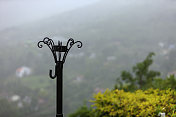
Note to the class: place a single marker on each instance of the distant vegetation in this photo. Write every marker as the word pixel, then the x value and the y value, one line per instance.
pixel 131 98
pixel 116 35
pixel 117 103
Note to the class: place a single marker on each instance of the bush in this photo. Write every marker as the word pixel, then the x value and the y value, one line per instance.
pixel 119 103
pixel 83 111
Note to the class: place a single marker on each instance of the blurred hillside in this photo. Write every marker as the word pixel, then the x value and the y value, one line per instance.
pixel 115 35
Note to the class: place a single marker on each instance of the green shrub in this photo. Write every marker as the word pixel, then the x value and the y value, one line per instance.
pixel 119 103
pixel 83 111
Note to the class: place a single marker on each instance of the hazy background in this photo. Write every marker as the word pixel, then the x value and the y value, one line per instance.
pixel 23 11
pixel 116 34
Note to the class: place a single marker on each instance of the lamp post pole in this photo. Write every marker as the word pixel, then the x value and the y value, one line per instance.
pixel 59 53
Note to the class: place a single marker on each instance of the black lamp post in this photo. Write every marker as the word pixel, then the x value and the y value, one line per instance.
pixel 59 53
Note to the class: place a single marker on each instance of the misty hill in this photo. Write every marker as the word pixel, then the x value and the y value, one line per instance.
pixel 137 19
pixel 109 28
pixel 116 34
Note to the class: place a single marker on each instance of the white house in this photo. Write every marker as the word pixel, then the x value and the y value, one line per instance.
pixel 23 71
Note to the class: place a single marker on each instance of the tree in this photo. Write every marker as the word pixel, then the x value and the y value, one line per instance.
pixel 141 74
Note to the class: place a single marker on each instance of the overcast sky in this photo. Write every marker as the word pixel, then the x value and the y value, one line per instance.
pixel 16 12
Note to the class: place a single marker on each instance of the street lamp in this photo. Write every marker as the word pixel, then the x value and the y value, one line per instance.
pixel 59 53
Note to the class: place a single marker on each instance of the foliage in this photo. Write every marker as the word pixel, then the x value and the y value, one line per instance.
pixel 141 76
pixel 83 111
pixel 160 96
pixel 168 82
pixel 150 102
pixel 30 96
pixel 108 32
pixel 8 110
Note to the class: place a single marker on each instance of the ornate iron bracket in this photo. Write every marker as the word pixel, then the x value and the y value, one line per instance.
pixel 59 52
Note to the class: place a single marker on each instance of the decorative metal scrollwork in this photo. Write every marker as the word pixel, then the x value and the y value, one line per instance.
pixel 49 42
pixel 57 50
pixel 69 45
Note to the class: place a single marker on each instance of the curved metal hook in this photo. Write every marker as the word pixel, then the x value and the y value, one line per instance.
pixel 51 76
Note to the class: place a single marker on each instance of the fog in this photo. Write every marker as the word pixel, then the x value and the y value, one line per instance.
pixel 16 12
pixel 116 35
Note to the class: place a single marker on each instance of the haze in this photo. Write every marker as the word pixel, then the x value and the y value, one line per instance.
pixel 116 35
pixel 16 12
